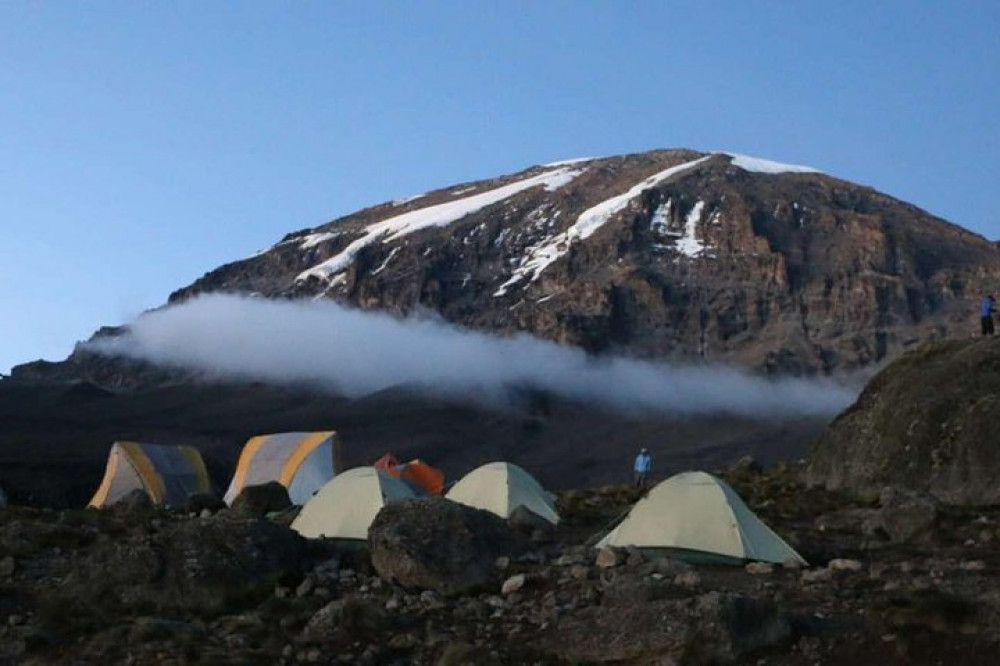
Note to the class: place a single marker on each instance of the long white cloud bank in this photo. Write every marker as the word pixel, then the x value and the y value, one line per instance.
pixel 358 352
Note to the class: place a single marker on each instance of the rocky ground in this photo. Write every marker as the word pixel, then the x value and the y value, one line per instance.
pixel 899 580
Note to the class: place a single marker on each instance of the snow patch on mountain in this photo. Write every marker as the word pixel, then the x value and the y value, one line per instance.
pixel 575 160
pixel 312 240
pixel 440 215
pixel 758 165
pixel 688 244
pixel 541 255
pixel 406 200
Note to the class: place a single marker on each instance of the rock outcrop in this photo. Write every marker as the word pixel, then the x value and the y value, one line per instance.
pixel 435 544
pixel 927 423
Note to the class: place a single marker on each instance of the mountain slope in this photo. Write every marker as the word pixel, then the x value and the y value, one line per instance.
pixel 668 254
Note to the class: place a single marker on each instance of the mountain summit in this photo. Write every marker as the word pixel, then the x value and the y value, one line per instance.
pixel 667 254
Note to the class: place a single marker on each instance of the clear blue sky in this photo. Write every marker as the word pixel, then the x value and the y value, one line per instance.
pixel 145 143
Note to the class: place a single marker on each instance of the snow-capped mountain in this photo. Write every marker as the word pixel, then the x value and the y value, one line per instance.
pixel 670 253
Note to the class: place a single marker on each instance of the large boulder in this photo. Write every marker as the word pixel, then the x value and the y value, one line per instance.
pixel 436 544
pixel 202 565
pixel 262 499
pixel 906 516
pixel 926 423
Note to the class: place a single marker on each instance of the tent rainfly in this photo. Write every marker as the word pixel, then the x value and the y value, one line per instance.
pixel 697 517
pixel 168 474
pixel 422 478
pixel 501 487
pixel 346 506
pixel 300 461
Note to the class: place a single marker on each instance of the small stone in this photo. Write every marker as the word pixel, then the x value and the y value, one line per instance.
pixel 512 584
pixel 817 575
pixel 305 587
pixel 634 557
pixel 281 592
pixel 688 579
pixel 205 513
pixel 287 652
pixel 843 564
pixel 608 557
pixel 392 604
pixel 973 565
pixel 579 572
pixel 759 568
pixel 502 563
pixel 314 655
pixel 322 593
pixel 791 565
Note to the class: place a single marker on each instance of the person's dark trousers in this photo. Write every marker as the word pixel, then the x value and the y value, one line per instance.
pixel 987 323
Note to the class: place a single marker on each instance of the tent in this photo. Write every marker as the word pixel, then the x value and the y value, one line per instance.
pixel 422 478
pixel 386 462
pixel 697 517
pixel 300 461
pixel 168 474
pixel 347 505
pixel 501 487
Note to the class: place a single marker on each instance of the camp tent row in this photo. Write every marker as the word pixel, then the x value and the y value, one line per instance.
pixel 346 506
pixel 693 516
pixel 301 461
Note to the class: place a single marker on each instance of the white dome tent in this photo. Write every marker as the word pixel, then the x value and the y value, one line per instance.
pixel 346 506
pixel 501 487
pixel 698 517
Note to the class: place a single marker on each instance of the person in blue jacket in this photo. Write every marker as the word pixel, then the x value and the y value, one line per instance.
pixel 643 466
pixel 986 310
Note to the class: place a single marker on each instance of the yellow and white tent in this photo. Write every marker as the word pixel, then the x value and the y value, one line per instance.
pixel 698 517
pixel 168 474
pixel 346 506
pixel 501 487
pixel 300 461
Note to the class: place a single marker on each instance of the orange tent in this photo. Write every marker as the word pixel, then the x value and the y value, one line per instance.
pixel 417 474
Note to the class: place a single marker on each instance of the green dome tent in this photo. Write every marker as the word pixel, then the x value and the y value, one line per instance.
pixel 697 517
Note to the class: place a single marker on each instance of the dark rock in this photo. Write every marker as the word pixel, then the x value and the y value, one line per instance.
pixel 714 628
pixel 526 521
pixel 200 565
pixel 262 499
pixel 906 516
pixel 724 627
pixel 349 619
pixel 134 504
pixel 747 465
pixel 926 423
pixel 432 543
pixel 199 502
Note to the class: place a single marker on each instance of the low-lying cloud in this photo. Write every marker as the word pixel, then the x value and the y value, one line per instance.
pixel 356 352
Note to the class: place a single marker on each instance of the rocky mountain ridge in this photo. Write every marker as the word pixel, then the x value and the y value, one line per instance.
pixel 670 254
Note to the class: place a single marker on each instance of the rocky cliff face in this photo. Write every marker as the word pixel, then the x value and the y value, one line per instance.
pixel 669 254
pixel 927 422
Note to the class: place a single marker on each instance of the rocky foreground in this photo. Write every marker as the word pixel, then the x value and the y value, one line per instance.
pixel 899 580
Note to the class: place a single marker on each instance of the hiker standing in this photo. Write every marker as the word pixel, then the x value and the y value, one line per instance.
pixel 986 310
pixel 643 465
